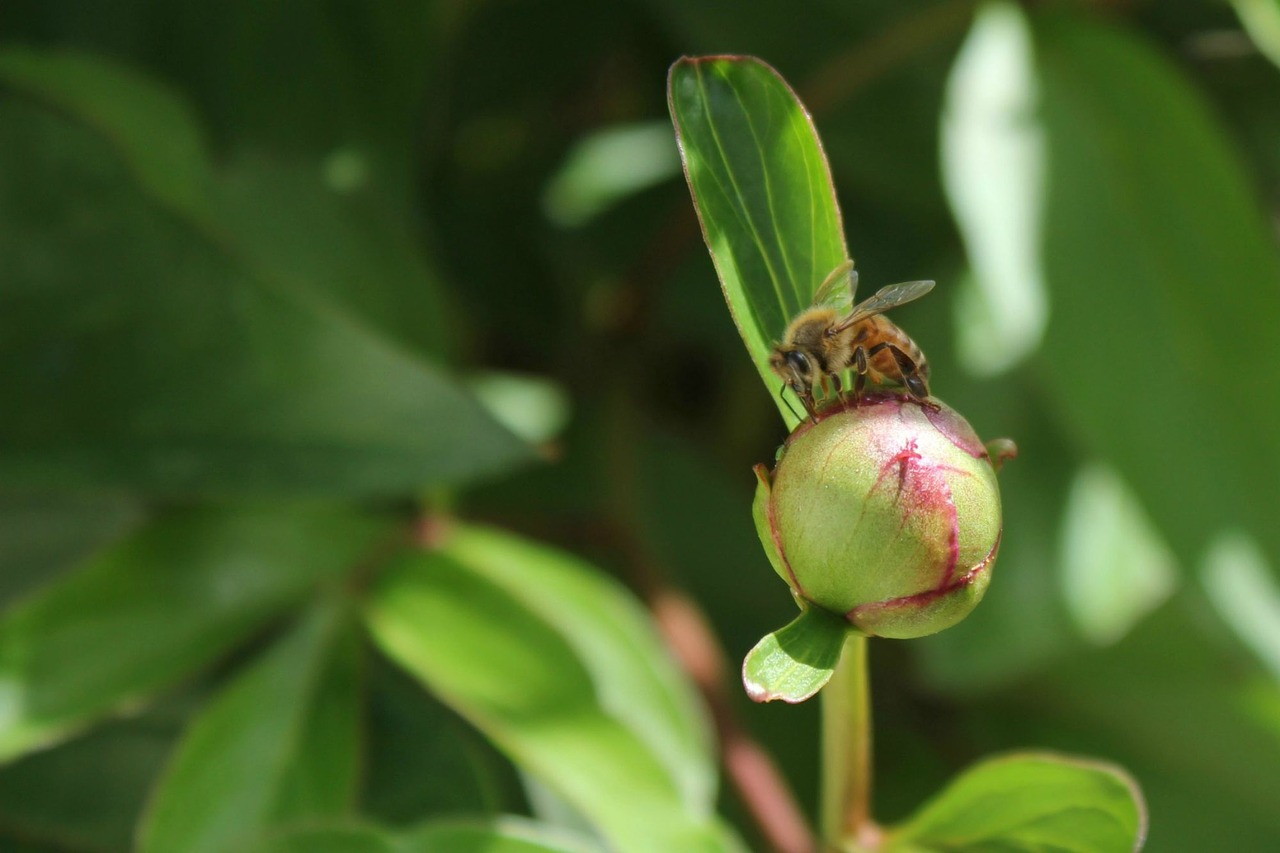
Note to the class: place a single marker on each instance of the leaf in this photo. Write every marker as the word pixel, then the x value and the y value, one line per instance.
pixel 1115 568
pixel 153 130
pixel 1031 802
pixel 450 770
pixel 1178 678
pixel 763 191
pixel 86 794
pixel 150 355
pixel 606 167
pixel 294 224
pixel 1262 19
pixel 159 605
pixel 795 662
pixel 993 164
pixel 1164 281
pixel 534 408
pixel 44 535
pixel 279 743
pixel 559 669
pixel 503 835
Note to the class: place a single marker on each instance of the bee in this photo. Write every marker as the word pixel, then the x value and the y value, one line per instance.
pixel 834 335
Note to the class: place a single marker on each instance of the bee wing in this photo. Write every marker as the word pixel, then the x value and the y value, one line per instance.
pixel 886 297
pixel 836 291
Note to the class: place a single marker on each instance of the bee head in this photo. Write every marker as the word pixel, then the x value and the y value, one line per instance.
pixel 792 366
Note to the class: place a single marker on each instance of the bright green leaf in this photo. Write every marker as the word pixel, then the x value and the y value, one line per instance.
pixel 993 163
pixel 1164 282
pixel 1262 19
pixel 561 671
pixel 534 408
pixel 794 663
pixel 763 191
pixel 157 606
pixel 278 744
pixel 605 168
pixel 1030 803
pixel 1115 568
pixel 1243 588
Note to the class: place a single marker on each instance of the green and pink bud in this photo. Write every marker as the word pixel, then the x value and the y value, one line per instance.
pixel 887 513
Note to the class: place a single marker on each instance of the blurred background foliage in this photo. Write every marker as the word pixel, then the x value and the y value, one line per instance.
pixel 282 282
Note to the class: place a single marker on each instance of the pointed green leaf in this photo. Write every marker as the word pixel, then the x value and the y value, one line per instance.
pixel 794 663
pixel 279 743
pixel 157 606
pixel 1030 803
pixel 560 669
pixel 763 191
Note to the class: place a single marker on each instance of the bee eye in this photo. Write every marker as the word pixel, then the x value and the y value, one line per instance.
pixel 798 361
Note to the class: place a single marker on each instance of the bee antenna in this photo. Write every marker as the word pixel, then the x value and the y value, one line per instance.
pixel 782 395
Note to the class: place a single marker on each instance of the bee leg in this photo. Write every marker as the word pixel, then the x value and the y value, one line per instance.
pixel 860 366
pixel 782 395
pixel 911 375
pixel 806 397
pixel 839 386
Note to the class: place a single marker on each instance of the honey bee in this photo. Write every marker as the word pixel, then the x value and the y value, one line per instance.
pixel 834 335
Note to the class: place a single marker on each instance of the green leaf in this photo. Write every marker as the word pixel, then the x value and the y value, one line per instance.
pixel 339 838
pixel 534 408
pixel 763 191
pixel 157 606
pixel 293 224
pixel 794 663
pixel 1032 802
pixel 560 669
pixel 86 794
pixel 1177 678
pixel 154 131
pixel 1262 19
pixel 451 770
pixel 279 743
pixel 503 835
pixel 1115 568
pixel 993 163
pixel 1164 281
pixel 151 354
pixel 606 167
pixel 44 535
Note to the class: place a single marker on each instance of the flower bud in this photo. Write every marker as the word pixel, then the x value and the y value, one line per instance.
pixel 887 512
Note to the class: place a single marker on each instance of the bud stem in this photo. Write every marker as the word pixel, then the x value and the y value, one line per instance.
pixel 846 752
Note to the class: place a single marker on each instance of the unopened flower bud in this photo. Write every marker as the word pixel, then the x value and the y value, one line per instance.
pixel 887 512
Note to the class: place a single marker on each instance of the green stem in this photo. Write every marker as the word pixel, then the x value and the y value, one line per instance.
pixel 846 752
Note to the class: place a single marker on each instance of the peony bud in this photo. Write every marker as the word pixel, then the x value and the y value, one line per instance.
pixel 886 512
